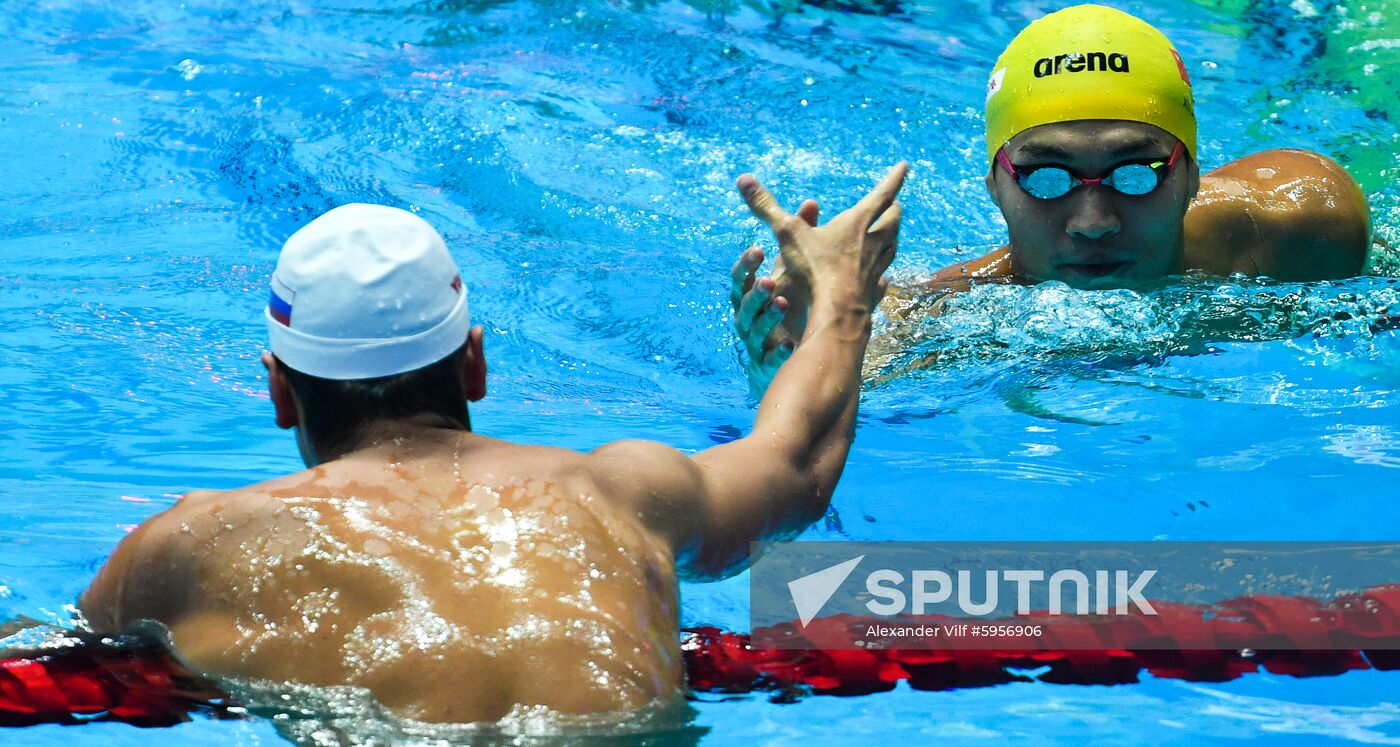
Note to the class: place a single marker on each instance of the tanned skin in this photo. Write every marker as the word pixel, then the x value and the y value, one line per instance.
pixel 456 575
pixel 1287 214
pixel 1291 215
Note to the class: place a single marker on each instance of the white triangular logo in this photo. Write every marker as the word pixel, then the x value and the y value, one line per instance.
pixel 994 83
pixel 811 592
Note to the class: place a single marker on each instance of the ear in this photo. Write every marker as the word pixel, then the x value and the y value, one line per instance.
pixel 474 365
pixel 280 387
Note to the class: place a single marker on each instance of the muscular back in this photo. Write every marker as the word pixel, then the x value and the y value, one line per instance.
pixel 424 572
pixel 457 576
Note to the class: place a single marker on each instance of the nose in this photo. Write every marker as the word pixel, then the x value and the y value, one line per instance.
pixel 1093 215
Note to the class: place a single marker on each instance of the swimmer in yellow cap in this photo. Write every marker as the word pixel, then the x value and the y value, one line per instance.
pixel 1092 159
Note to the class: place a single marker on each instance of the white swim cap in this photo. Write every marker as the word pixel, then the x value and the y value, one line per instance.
pixel 365 291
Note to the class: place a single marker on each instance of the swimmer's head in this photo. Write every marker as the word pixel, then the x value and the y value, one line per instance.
pixel 1091 138
pixel 365 291
pixel 1089 62
pixel 1119 220
pixel 367 322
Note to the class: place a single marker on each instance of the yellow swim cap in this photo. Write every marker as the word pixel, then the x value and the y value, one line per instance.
pixel 1089 62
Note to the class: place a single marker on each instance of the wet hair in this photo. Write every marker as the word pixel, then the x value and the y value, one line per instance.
pixel 335 412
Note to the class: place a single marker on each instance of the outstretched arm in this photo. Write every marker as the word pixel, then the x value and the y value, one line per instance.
pixel 777 480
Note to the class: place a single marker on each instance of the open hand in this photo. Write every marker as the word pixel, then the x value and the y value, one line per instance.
pixel 770 313
pixel 764 313
pixel 848 255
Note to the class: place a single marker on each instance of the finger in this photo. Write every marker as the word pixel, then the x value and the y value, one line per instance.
pixel 878 199
pixel 742 274
pixel 882 288
pixel 887 226
pixel 882 263
pixel 768 320
pixel 780 270
pixel 807 211
pixel 887 252
pixel 779 355
pixel 751 307
pixel 760 202
pixel 887 233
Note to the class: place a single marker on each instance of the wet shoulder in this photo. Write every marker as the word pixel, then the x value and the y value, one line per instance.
pixel 497 462
pixel 1279 167
pixel 993 264
pixel 1285 213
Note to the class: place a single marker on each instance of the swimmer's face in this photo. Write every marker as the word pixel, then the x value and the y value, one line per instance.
pixel 1095 237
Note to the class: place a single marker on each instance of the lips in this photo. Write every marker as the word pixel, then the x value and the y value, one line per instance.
pixel 1096 269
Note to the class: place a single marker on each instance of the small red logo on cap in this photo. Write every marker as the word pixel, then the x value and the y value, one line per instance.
pixel 1181 68
pixel 457 283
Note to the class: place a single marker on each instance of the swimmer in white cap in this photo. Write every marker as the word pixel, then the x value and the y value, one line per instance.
pixel 457 576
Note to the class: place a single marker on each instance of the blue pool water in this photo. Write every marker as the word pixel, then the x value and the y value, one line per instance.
pixel 579 157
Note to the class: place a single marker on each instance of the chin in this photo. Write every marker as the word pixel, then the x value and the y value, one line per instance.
pixel 1104 283
pixel 1098 277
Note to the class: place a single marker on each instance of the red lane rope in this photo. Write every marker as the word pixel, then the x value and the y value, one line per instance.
pixel 1206 644
pixel 140 683
pixel 137 684
pixel 724 662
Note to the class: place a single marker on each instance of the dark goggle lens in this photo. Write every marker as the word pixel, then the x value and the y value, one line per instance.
pixel 1133 179
pixel 1048 183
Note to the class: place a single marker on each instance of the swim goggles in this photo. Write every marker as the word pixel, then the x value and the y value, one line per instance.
pixel 1134 178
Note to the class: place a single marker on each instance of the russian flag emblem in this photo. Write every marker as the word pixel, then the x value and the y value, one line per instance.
pixel 280 309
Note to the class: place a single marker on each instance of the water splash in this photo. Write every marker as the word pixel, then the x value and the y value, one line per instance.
pixel 1051 322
